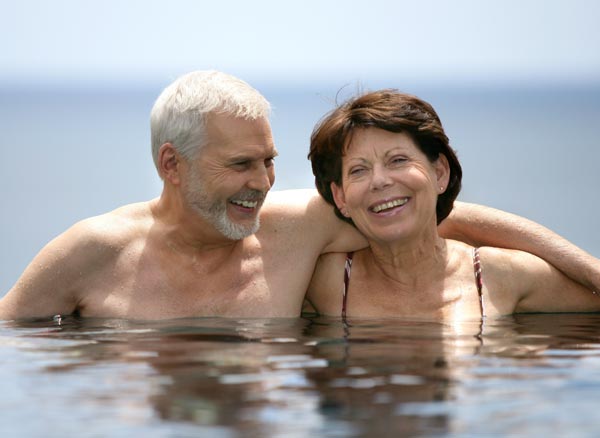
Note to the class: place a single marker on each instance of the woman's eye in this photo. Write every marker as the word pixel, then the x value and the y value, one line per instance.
pixel 356 170
pixel 398 160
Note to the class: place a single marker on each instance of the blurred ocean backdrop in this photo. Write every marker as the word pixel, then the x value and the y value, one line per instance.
pixel 73 152
pixel 516 84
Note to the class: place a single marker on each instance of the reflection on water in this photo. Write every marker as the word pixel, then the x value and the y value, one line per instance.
pixel 526 375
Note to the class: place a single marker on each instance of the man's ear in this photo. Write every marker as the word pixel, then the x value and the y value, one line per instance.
pixel 169 163
pixel 339 198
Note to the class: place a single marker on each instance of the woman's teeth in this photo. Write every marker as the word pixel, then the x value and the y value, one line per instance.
pixel 390 204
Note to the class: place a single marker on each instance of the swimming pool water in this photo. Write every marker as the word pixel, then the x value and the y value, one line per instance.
pixel 526 375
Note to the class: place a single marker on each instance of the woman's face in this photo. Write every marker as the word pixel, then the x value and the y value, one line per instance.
pixel 389 187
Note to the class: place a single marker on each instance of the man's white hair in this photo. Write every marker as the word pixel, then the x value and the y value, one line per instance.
pixel 179 114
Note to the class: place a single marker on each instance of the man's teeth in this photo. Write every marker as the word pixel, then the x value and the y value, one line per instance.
pixel 247 204
pixel 390 204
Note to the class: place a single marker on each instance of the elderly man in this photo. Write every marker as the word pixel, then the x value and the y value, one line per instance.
pixel 214 244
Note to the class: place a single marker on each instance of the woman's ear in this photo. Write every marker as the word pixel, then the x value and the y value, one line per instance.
pixel 442 173
pixel 339 198
pixel 168 163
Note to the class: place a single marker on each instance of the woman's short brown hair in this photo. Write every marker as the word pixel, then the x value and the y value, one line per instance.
pixel 389 110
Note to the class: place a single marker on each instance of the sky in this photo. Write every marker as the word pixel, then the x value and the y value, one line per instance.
pixel 145 41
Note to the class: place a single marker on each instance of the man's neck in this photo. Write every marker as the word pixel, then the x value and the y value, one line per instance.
pixel 186 229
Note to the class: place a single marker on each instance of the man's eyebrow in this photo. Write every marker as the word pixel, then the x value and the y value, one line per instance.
pixel 241 158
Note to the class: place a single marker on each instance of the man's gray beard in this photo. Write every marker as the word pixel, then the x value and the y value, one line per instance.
pixel 215 212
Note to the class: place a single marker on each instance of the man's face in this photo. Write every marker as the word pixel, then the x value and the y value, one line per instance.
pixel 227 183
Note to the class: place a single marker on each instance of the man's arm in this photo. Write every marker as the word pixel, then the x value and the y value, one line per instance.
pixel 524 283
pixel 484 226
pixel 49 285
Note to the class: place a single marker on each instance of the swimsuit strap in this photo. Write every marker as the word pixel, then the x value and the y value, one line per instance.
pixel 478 279
pixel 347 269
pixel 476 269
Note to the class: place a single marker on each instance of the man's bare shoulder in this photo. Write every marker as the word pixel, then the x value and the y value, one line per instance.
pixel 92 239
pixel 94 242
pixel 290 211
pixel 304 214
pixel 300 209
pixel 59 276
pixel 116 227
pixel 291 203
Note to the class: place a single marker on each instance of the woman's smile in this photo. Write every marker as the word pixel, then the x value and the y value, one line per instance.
pixel 388 206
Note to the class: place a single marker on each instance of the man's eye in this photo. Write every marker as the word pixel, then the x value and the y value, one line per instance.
pixel 241 164
pixel 269 162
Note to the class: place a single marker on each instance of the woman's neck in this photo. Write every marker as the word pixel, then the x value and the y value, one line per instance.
pixel 414 262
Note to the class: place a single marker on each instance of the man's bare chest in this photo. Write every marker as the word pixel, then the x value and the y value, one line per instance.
pixel 147 287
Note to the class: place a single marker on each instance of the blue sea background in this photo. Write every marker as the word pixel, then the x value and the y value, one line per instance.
pixel 73 152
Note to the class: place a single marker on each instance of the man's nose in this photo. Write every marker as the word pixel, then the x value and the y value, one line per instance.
pixel 262 178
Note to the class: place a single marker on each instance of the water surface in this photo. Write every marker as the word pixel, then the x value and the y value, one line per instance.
pixel 529 375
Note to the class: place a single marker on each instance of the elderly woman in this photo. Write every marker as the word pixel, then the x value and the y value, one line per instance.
pixel 384 162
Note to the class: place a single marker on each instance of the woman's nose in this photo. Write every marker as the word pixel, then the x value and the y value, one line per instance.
pixel 380 178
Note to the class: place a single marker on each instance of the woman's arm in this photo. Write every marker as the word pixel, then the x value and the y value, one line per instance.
pixel 484 226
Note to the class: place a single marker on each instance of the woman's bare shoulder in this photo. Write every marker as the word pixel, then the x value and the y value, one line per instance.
pixel 507 275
